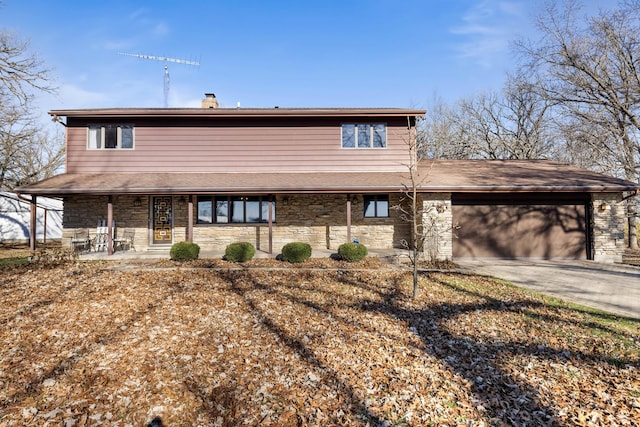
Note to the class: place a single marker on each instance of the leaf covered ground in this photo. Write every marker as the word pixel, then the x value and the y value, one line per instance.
pixel 208 345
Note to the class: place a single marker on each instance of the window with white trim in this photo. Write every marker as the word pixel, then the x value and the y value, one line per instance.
pixel 110 136
pixel 364 135
pixel 376 206
pixel 234 209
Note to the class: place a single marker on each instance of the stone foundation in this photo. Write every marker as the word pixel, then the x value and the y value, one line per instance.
pixel 317 219
pixel 321 221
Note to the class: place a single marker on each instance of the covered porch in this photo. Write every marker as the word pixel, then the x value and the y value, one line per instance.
pixel 323 209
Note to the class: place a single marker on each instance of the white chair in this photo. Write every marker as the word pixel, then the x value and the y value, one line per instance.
pixel 101 238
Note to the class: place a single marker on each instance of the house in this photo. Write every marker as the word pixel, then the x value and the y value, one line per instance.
pixel 323 176
pixel 15 215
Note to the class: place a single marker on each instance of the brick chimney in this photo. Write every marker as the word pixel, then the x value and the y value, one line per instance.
pixel 209 101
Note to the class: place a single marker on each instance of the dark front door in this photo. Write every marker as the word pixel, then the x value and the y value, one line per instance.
pixel 162 220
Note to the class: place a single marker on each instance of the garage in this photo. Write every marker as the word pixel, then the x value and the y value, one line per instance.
pixel 521 225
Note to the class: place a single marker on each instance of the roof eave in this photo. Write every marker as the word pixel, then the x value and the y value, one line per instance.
pixel 324 189
pixel 237 112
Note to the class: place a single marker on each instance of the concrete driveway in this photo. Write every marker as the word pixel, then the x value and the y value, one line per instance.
pixel 611 287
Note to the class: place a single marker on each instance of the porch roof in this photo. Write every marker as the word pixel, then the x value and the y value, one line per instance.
pixel 443 176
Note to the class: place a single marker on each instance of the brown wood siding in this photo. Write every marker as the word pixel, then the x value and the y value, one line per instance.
pixel 520 231
pixel 236 146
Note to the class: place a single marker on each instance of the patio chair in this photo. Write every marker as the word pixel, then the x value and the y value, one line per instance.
pixel 80 239
pixel 126 241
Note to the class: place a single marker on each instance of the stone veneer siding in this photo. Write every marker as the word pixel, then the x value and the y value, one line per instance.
pixel 320 220
pixel 317 219
pixel 87 211
pixel 608 227
pixel 437 221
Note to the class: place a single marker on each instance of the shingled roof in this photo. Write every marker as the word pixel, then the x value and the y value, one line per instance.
pixel 444 176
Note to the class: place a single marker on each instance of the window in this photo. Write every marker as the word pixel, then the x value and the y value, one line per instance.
pixel 234 209
pixel 110 136
pixel 364 135
pixel 376 206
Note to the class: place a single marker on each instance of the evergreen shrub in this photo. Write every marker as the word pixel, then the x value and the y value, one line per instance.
pixel 239 252
pixel 296 252
pixel 352 252
pixel 184 251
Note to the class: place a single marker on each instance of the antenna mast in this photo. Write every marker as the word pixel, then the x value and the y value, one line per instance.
pixel 167 78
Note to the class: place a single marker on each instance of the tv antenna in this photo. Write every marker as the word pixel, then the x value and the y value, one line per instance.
pixel 167 79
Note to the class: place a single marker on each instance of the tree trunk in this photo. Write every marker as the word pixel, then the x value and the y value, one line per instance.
pixel 633 231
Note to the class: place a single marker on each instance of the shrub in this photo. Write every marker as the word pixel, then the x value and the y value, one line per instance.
pixel 296 252
pixel 239 252
pixel 184 251
pixel 352 252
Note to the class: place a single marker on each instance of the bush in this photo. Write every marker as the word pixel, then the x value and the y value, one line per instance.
pixel 184 251
pixel 352 252
pixel 239 252
pixel 296 252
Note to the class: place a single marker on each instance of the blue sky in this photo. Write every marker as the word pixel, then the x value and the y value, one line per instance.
pixel 303 53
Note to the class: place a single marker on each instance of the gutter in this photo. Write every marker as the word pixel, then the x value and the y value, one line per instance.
pixel 329 189
pixel 24 199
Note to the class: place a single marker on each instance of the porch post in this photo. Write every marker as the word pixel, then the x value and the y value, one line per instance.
pixel 348 217
pixel 190 220
pixel 33 223
pixel 270 220
pixel 44 231
pixel 110 226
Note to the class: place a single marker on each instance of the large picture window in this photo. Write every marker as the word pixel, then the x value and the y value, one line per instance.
pixel 234 209
pixel 364 135
pixel 376 206
pixel 110 136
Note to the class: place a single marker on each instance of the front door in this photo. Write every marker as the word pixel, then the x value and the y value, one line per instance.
pixel 162 220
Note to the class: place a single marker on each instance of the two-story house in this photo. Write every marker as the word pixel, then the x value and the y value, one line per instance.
pixel 323 176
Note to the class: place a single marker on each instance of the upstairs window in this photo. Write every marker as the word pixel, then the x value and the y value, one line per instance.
pixel 376 206
pixel 110 136
pixel 235 209
pixel 364 135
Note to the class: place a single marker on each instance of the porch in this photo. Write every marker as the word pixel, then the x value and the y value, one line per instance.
pixel 323 220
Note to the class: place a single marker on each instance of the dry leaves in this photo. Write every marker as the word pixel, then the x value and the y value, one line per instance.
pixel 91 344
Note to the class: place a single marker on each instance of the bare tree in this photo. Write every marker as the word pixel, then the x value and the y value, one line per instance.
pixel 445 134
pixel 20 72
pixel 426 229
pixel 27 154
pixel 591 73
pixel 513 125
pixel 409 207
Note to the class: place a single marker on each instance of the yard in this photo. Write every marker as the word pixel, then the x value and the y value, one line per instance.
pixel 208 344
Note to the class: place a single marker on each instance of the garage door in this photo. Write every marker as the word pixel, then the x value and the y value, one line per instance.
pixel 520 226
